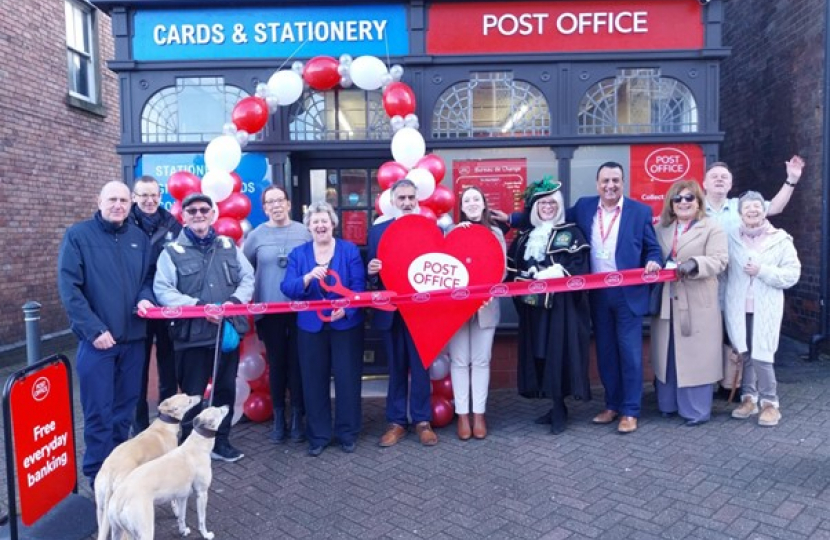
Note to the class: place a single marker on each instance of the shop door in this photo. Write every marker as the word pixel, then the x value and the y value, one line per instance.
pixel 351 187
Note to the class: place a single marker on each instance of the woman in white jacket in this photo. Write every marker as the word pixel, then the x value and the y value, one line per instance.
pixel 762 263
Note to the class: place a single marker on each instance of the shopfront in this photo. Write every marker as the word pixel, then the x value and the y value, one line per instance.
pixel 507 92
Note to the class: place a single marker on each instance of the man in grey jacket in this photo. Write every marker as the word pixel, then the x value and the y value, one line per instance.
pixel 202 268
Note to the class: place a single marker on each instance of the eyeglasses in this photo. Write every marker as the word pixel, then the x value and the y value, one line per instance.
pixel 145 196
pixel 269 202
pixel 547 203
pixel 679 198
pixel 204 210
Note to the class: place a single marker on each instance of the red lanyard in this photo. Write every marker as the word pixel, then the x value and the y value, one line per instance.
pixel 603 235
pixel 676 236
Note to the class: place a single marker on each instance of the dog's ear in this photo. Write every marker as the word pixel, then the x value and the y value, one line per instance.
pixel 197 422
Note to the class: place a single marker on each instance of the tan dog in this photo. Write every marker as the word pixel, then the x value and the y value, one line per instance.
pixel 160 437
pixel 172 477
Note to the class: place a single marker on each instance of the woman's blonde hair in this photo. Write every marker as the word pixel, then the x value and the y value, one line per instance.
pixel 667 216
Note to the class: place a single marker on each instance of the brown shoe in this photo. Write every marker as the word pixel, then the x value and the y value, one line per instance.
pixel 394 434
pixel 464 430
pixel 627 424
pixel 425 434
pixel 479 426
pixel 605 417
pixel 770 415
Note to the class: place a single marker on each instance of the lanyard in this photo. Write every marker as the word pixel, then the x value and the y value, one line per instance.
pixel 677 235
pixel 603 235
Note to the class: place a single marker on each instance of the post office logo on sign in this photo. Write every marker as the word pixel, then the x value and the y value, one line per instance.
pixel 433 271
pixel 40 390
pixel 667 164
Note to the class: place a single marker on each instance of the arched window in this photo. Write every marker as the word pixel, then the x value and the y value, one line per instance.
pixel 192 111
pixel 339 115
pixel 638 101
pixel 491 104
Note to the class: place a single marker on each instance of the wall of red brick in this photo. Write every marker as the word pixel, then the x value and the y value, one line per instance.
pixel 53 158
pixel 771 108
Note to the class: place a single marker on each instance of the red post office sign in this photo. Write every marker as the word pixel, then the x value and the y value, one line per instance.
pixel 655 167
pixel 564 26
pixel 44 443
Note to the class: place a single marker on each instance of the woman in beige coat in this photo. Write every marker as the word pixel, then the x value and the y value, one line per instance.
pixel 687 333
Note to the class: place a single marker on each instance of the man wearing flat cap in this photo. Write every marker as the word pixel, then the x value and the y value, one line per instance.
pixel 201 268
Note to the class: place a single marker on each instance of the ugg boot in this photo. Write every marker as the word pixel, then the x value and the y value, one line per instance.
pixel 278 434
pixel 770 415
pixel 748 407
pixel 297 430
pixel 464 429
pixel 479 426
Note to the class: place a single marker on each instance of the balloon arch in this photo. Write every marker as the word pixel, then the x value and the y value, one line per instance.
pixel 285 87
pixel 224 186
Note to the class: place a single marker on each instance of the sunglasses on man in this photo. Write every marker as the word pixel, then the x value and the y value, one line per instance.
pixel 204 210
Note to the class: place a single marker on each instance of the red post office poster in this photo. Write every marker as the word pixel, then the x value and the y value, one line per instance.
pixel 355 226
pixel 503 182
pixel 655 167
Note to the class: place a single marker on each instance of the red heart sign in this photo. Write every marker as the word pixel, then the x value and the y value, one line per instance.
pixel 417 258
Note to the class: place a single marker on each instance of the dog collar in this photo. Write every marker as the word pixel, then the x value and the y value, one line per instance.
pixel 167 419
pixel 204 432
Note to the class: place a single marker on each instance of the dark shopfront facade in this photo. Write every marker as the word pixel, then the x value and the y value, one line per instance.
pixel 507 92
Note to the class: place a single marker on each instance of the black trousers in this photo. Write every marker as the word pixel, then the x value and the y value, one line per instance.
pixel 279 334
pixel 157 332
pixel 194 368
pixel 323 354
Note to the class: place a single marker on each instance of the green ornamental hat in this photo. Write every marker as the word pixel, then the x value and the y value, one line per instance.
pixel 539 189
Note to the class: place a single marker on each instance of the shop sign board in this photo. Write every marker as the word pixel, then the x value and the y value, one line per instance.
pixel 502 181
pixel 655 167
pixel 283 32
pixel 566 26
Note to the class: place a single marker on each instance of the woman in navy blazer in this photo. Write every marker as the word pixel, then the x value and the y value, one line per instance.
pixel 328 348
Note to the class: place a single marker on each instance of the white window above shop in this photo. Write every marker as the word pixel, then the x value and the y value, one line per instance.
pixel 82 60
pixel 638 101
pixel 194 110
pixel 491 104
pixel 339 115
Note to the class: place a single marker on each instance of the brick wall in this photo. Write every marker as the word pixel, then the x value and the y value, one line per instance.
pixel 53 158
pixel 771 108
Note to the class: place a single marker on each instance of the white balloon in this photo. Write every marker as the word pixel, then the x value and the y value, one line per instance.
pixel 346 82
pixel 386 205
pixel 223 154
pixel 229 128
pixel 424 182
pixel 238 410
pixel 411 120
pixel 261 90
pixel 218 185
pixel 346 59
pixel 381 219
pixel 367 72
pixel 408 147
pixel 242 137
pixel 286 86
pixel 440 368
pixel 397 122
pixel 247 227
pixel 273 104
pixel 445 222
pixel 215 211
pixel 297 67
pixel 396 71
pixel 243 390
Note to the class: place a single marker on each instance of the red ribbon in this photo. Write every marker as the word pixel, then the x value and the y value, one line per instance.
pixel 388 300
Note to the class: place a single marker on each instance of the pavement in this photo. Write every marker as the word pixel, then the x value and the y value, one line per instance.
pixel 725 479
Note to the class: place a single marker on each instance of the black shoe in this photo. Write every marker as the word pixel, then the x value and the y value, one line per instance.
pixel 693 423
pixel 296 431
pixel 668 414
pixel 558 417
pixel 224 451
pixel 314 451
pixel 544 419
pixel 347 447
pixel 278 433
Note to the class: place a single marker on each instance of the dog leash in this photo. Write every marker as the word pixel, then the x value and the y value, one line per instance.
pixel 217 354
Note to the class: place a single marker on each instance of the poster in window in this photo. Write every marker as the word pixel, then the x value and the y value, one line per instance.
pixel 502 181
pixel 355 225
pixel 655 167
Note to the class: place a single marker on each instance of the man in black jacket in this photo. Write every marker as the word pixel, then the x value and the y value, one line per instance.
pixel 161 227
pixel 103 280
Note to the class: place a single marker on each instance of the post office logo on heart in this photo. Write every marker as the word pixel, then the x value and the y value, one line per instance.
pixel 417 258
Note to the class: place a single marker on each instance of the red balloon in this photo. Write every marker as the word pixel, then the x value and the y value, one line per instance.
pixel 258 407
pixel 236 206
pixel 321 72
pixel 433 164
pixel 250 114
pixel 208 390
pixel 227 226
pixel 442 411
pixel 427 212
pixel 441 201
pixel 182 183
pixel 389 173
pixel 261 383
pixel 443 388
pixel 176 210
pixel 398 99
pixel 237 182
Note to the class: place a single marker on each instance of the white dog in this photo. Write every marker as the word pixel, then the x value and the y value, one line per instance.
pixel 160 437
pixel 172 477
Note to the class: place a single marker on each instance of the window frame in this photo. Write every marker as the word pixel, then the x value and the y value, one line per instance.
pixel 93 102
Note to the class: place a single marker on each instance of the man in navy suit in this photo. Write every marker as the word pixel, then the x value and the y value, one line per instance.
pixel 405 367
pixel 622 237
